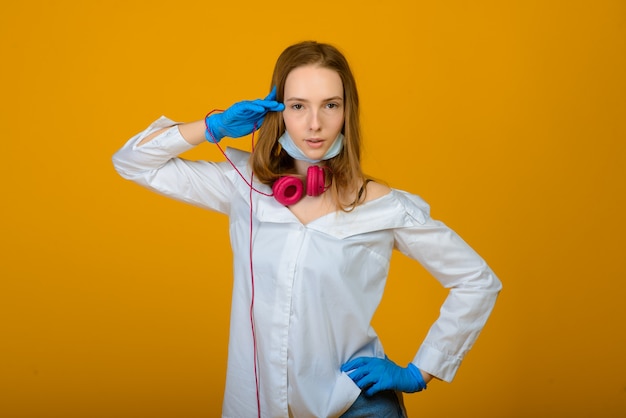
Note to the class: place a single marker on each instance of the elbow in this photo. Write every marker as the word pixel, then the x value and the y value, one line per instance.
pixel 491 282
pixel 483 281
pixel 499 285
pixel 120 165
pixel 117 164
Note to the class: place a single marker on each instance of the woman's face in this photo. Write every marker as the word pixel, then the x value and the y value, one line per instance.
pixel 314 109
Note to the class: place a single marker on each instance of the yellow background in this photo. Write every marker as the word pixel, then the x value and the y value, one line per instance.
pixel 509 118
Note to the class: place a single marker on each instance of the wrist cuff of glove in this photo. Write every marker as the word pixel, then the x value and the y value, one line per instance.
pixel 211 138
pixel 418 377
pixel 209 133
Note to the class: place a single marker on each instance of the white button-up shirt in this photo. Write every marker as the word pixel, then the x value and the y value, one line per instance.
pixel 317 285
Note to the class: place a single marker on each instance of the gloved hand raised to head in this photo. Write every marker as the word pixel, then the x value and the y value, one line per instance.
pixel 241 118
pixel 373 374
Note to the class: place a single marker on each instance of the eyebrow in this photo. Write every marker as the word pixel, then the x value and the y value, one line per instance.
pixel 298 99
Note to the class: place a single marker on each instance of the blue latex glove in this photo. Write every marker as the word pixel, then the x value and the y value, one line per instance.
pixel 373 374
pixel 241 118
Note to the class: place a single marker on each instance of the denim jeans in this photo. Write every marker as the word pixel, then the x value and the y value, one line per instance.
pixel 385 404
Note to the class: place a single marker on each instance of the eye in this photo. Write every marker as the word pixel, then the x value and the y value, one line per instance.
pixel 297 106
pixel 332 105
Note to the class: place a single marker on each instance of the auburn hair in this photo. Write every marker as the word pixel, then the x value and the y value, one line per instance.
pixel 269 161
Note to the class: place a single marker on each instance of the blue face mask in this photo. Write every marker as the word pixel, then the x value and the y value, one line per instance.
pixel 290 147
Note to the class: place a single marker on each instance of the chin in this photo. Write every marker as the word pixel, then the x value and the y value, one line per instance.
pixel 316 156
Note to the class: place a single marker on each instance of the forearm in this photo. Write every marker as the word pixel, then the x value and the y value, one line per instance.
pixel 150 149
pixel 473 292
pixel 193 133
pixel 462 317
pixel 427 376
pixel 156 166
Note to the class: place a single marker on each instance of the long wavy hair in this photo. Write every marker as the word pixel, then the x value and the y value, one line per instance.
pixel 270 161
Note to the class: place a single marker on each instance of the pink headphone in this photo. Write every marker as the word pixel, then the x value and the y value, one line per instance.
pixel 288 190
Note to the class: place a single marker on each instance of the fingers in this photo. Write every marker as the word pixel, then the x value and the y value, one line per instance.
pixel 276 107
pixel 252 109
pixel 255 109
pixel 374 389
pixel 271 104
pixel 355 363
pixel 272 96
pixel 360 371
pixel 366 378
pixel 367 373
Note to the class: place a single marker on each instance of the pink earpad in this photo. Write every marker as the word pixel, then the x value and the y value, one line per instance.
pixel 315 181
pixel 288 190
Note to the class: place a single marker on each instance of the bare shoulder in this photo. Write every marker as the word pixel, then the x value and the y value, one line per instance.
pixel 376 190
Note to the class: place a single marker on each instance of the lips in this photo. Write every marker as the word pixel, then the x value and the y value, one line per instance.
pixel 314 142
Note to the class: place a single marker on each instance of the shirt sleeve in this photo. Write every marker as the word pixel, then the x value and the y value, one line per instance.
pixel 156 166
pixel 473 289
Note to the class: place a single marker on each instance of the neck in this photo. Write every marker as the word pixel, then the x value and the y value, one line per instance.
pixel 302 166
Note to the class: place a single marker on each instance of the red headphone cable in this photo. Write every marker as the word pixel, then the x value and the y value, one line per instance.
pixel 252 189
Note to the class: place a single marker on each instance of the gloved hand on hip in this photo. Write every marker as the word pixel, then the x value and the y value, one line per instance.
pixel 373 374
pixel 241 118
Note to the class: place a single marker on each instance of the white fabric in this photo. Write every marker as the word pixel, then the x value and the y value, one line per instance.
pixel 318 285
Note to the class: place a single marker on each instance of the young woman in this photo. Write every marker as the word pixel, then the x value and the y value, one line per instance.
pixel 312 240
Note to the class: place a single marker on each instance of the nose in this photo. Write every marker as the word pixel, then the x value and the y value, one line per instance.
pixel 314 120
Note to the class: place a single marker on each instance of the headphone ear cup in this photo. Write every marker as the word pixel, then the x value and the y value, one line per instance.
pixel 288 190
pixel 315 181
